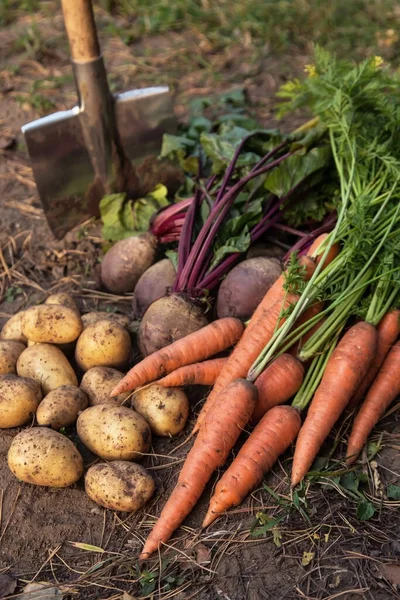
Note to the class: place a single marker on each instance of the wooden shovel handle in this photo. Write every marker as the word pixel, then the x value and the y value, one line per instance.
pixel 81 29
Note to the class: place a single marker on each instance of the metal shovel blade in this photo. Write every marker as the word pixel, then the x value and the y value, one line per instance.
pixel 62 159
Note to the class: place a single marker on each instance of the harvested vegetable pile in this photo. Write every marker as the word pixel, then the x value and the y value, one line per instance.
pixel 301 338
pixel 334 308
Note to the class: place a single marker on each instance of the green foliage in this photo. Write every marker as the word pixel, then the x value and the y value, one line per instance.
pixel 287 25
pixel 393 491
pixel 173 257
pixel 123 218
pixel 295 169
pixel 12 293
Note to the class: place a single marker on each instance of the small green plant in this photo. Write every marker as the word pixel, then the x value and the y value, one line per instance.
pixel 12 293
pixel 31 43
pixel 147 581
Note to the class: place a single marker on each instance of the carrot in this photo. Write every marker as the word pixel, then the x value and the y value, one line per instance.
pixel 202 373
pixel 256 335
pixel 308 314
pixel 344 371
pixel 313 250
pixel 297 346
pixel 196 346
pixel 247 349
pixel 381 394
pixel 279 382
pixel 273 435
pixel 277 292
pixel 210 451
pixel 388 331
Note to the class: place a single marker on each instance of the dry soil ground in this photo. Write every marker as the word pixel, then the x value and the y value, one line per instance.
pixel 271 547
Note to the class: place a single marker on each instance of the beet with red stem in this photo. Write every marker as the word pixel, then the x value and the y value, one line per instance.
pixel 213 277
pixel 169 218
pixel 211 227
pixel 172 317
pixel 184 268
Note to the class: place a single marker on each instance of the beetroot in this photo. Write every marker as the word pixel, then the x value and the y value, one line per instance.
pixel 152 285
pixel 244 287
pixel 167 320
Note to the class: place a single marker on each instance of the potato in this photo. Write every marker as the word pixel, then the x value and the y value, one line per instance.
pixel 64 300
pixel 114 432
pixel 51 324
pixel 12 329
pixel 9 353
pixel 61 407
pixel 165 409
pixel 93 317
pixel 126 261
pixel 103 344
pixel 67 349
pixel 47 365
pixel 44 457
pixel 19 399
pixel 119 485
pixel 98 383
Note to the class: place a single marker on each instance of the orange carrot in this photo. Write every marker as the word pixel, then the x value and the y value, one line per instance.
pixel 308 314
pixel 297 346
pixel 277 292
pixel 210 451
pixel 381 394
pixel 247 349
pixel 250 344
pixel 344 371
pixel 202 373
pixel 273 435
pixel 196 346
pixel 388 332
pixel 332 254
pixel 279 382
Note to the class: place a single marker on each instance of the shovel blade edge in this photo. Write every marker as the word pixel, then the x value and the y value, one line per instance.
pixel 62 166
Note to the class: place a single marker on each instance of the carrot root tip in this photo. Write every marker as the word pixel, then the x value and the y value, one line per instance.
pixel 209 518
pixel 351 459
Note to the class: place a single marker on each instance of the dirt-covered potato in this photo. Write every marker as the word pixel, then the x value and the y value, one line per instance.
pixel 47 365
pixel 93 317
pixel 103 344
pixel 98 383
pixel 119 485
pixel 114 432
pixel 12 329
pixel 43 456
pixel 19 399
pixel 126 261
pixel 51 324
pixel 61 407
pixel 9 353
pixel 165 409
pixel 64 300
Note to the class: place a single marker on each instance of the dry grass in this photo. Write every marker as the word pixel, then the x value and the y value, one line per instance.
pixel 196 47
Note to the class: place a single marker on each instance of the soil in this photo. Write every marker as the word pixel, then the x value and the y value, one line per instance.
pixel 321 553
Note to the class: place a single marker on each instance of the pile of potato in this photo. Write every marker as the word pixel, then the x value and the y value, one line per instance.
pixel 44 352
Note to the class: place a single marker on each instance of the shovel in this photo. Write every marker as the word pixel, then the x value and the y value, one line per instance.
pixel 105 144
